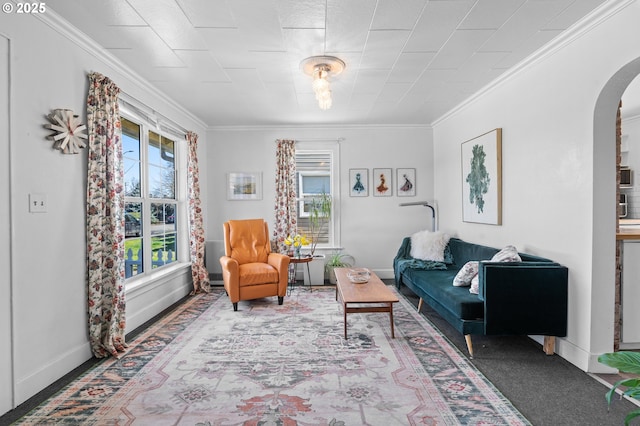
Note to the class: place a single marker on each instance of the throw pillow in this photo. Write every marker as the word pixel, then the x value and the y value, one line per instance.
pixel 507 254
pixel 475 286
pixel 466 273
pixel 427 245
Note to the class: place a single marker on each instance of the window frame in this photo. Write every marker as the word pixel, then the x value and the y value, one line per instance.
pixel 180 211
pixel 331 147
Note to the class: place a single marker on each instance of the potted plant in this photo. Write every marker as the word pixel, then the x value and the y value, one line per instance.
pixel 319 217
pixel 337 260
pixel 627 362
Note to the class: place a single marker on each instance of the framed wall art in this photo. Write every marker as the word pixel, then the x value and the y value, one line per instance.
pixel 406 182
pixel 359 182
pixel 382 185
pixel 482 178
pixel 244 186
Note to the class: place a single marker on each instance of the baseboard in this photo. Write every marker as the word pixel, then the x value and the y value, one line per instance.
pixel 48 373
pixel 582 359
pixel 383 274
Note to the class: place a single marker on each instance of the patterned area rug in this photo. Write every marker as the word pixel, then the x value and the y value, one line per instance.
pixel 204 364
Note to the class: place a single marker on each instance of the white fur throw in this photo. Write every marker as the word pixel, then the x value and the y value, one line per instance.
pixel 427 245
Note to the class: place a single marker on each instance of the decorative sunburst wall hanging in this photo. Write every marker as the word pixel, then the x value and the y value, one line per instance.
pixel 69 132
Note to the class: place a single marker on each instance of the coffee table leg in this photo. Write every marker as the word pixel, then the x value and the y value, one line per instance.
pixel 393 335
pixel 344 305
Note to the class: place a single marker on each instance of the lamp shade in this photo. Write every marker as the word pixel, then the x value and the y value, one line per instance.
pixel 320 68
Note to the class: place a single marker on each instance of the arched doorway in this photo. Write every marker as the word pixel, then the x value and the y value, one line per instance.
pixel 605 200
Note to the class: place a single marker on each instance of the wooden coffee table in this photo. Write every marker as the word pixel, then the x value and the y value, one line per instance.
pixel 372 296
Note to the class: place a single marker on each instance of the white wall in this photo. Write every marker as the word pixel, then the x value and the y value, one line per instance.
pixel 553 203
pixel 5 231
pixel 372 227
pixel 48 254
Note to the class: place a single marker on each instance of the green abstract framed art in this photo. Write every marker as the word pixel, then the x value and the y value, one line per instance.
pixel 482 178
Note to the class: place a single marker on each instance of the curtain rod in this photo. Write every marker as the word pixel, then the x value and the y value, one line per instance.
pixel 340 139
pixel 163 122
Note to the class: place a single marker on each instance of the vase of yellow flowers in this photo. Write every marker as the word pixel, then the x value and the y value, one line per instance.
pixel 296 242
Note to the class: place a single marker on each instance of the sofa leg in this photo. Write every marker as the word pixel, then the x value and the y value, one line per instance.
pixel 467 338
pixel 549 345
pixel 420 304
pixel 235 306
pixel 280 300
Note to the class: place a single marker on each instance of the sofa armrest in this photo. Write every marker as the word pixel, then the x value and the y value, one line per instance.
pixel 403 253
pixel 524 297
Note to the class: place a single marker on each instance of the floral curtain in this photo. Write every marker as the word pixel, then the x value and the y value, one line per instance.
pixel 105 219
pixel 285 206
pixel 196 228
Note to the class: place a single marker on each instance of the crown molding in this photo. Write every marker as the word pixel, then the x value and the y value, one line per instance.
pixel 599 15
pixel 631 119
pixel 86 43
pixel 316 126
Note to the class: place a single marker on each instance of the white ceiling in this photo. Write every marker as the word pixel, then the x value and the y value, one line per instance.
pixel 237 62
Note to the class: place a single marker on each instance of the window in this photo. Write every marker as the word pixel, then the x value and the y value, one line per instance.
pixel 312 184
pixel 151 198
pixel 316 174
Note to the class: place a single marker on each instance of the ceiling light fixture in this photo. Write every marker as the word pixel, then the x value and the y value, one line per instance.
pixel 320 67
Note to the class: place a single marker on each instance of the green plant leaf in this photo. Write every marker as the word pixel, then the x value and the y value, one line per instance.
pixel 632 415
pixel 633 392
pixel 628 362
pixel 631 384
pixel 609 395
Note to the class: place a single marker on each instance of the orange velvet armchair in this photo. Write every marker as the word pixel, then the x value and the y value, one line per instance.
pixel 249 269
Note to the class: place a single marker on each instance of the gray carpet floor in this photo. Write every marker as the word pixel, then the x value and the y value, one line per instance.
pixel 547 390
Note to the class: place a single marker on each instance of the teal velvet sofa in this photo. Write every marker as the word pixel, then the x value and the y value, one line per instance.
pixel 515 298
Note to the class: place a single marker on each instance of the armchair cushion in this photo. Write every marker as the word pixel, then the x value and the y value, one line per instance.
pixel 257 273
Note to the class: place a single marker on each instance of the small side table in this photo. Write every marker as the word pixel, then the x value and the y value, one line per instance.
pixel 293 263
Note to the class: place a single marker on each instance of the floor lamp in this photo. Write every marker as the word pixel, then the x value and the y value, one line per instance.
pixel 426 204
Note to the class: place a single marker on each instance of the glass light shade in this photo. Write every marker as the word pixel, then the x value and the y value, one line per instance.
pixel 320 85
pixel 321 88
pixel 319 68
pixel 324 102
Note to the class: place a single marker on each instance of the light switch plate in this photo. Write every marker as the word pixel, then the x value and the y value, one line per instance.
pixel 37 203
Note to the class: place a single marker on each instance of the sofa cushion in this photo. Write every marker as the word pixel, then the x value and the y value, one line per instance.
pixel 427 245
pixel 457 300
